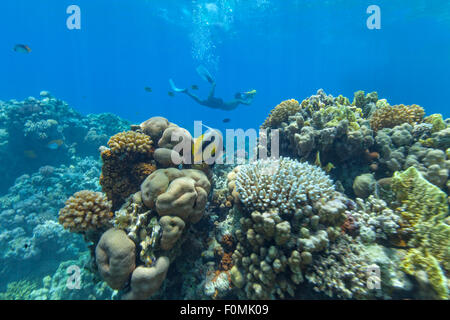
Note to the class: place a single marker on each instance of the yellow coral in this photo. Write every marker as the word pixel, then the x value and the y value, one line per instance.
pixel 130 142
pixel 281 113
pixel 416 261
pixel 126 163
pixel 86 210
pixel 390 116
pixel 424 211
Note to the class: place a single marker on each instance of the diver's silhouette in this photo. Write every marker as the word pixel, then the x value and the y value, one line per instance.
pixel 213 102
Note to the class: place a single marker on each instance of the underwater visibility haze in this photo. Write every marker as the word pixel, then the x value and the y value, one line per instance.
pixel 332 117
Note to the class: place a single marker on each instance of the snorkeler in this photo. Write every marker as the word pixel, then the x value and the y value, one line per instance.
pixel 213 102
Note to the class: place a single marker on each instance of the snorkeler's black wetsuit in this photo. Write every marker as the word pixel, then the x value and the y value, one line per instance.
pixel 218 103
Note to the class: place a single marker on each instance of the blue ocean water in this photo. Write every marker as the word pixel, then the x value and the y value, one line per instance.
pixel 283 49
pixel 93 82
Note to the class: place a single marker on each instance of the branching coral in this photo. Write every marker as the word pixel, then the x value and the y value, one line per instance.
pixel 86 210
pixel 375 220
pixel 284 183
pixel 298 214
pixel 341 272
pixel 281 113
pixel 391 116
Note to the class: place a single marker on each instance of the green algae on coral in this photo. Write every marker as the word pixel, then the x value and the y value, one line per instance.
pixel 416 261
pixel 19 290
pixel 421 199
pixel 437 122
pixel 424 210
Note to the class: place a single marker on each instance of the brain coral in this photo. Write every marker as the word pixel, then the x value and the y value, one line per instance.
pixel 281 113
pixel 85 210
pixel 126 163
pixel 390 116
pixel 115 257
pixel 174 192
pixel 282 183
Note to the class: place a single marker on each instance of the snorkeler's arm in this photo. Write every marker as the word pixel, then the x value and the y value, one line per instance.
pixel 193 96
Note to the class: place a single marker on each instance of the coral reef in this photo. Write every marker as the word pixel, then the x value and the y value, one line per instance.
pixel 374 220
pixel 359 186
pixel 278 244
pixel 46 131
pixel 329 132
pixel 341 272
pixel 29 226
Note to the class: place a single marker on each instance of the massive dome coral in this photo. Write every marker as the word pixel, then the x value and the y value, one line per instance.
pixel 282 183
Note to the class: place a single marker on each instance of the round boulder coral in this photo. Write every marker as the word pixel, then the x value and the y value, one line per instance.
pixel 172 229
pixel 115 257
pixel 145 281
pixel 174 192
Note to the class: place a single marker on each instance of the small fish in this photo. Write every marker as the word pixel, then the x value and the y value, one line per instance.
pixel 226 120
pixel 30 154
pixel 171 94
pixel 22 48
pixel 204 148
pixel 55 144
pixel 194 87
pixel 148 89
pixel 26 246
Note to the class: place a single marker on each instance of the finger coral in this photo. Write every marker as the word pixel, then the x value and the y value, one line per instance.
pixel 283 183
pixel 391 116
pixel 290 215
pixel 86 210
pixel 129 143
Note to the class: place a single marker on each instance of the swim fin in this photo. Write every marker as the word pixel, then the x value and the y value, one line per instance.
pixel 174 88
pixel 204 74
